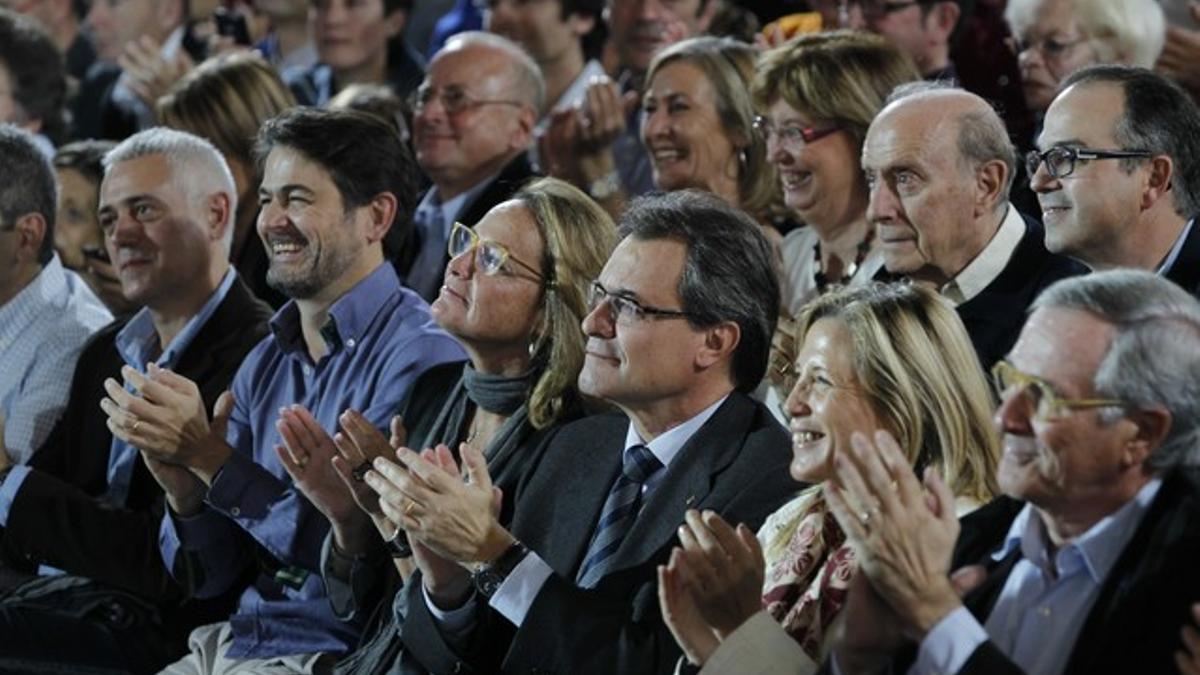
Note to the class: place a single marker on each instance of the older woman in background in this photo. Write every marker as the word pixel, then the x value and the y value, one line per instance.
pixel 699 123
pixel 819 94
pixel 1054 38
pixel 225 100
pixel 515 294
pixel 881 357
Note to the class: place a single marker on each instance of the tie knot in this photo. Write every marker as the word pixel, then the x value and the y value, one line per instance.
pixel 639 463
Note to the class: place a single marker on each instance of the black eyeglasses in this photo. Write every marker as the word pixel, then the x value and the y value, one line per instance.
pixel 1060 160
pixel 626 310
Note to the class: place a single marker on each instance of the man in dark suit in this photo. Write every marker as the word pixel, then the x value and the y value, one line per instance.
pixel 473 122
pixel 939 166
pixel 1096 571
pixel 1118 173
pixel 87 504
pixel 681 318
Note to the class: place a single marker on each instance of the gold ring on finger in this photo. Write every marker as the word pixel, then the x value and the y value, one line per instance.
pixel 409 507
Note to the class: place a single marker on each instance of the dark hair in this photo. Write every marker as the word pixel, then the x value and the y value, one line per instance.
pixel 1159 117
pixel 729 273
pixel 85 157
pixel 363 155
pixel 35 66
pixel 27 185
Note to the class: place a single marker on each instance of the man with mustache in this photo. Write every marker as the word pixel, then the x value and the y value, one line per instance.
pixel 473 122
pixel 333 183
pixel 1117 173
pixel 86 504
pixel 939 165
pixel 681 319
pixel 1093 569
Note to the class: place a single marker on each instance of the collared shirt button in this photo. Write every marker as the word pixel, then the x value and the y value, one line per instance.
pixel 307 371
pixel 235 512
pixel 350 343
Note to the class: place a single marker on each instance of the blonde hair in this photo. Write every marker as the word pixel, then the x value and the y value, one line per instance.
pixel 841 76
pixel 1131 32
pixel 225 100
pixel 914 360
pixel 578 236
pixel 728 65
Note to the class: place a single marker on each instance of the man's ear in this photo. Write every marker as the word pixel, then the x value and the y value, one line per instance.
pixel 1151 429
pixel 944 16
pixel 990 180
pixel 1158 183
pixel 219 215
pixel 30 230
pixel 382 211
pixel 720 342
pixel 704 19
pixel 581 24
pixel 395 22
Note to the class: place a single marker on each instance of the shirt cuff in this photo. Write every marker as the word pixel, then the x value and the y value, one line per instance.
pixel 951 642
pixel 9 488
pixel 518 591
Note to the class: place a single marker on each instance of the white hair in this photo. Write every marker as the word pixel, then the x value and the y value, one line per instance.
pixel 196 166
pixel 1131 32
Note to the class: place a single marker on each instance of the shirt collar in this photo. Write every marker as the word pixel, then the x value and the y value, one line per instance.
pixel 1169 261
pixel 1096 550
pixel 349 315
pixel 990 262
pixel 668 444
pixel 49 287
pixel 450 209
pixel 137 342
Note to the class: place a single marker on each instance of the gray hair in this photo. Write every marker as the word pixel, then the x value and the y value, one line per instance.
pixel 527 80
pixel 728 275
pixel 1132 29
pixel 197 167
pixel 1154 358
pixel 27 184
pixel 982 136
pixel 1160 117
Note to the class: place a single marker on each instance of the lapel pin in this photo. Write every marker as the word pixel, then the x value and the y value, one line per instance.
pixel 689 501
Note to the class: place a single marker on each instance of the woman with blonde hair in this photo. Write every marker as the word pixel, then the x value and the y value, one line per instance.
pixel 225 100
pixel 889 357
pixel 818 94
pixel 699 123
pixel 514 295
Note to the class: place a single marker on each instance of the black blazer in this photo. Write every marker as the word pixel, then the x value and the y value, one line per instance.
pixel 1186 269
pixel 994 317
pixel 736 464
pixel 60 516
pixel 510 179
pixel 1134 625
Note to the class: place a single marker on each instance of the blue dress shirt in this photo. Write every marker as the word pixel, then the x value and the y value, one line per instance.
pixel 1046 598
pixel 380 339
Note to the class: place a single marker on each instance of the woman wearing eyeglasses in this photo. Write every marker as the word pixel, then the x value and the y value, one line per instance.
pixel 889 357
pixel 514 294
pixel 819 94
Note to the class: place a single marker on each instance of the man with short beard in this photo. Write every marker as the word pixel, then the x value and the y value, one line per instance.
pixel 334 182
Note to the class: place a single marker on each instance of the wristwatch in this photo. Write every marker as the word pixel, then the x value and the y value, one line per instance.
pixel 489 577
pixel 605 186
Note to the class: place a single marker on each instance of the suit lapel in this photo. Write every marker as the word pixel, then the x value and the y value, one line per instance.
pixel 687 484
pixel 1186 270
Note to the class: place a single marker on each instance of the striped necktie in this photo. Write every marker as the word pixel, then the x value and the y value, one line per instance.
pixel 620 510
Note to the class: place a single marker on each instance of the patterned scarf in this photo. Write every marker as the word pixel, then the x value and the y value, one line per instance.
pixel 809 567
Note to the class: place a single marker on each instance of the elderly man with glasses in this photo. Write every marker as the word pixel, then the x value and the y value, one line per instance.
pixel 680 324
pixel 1118 173
pixel 473 121
pixel 1088 565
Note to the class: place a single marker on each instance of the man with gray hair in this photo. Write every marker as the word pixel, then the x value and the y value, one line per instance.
pixel 46 312
pixel 939 166
pixel 473 122
pixel 1096 570
pixel 1117 173
pixel 87 505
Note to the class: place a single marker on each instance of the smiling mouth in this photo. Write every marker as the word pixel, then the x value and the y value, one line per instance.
pixel 806 437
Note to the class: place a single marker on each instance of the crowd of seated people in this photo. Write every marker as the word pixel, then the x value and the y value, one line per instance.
pixel 599 336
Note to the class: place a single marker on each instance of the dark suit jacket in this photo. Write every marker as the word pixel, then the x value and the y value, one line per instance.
pixel 510 179
pixel 1186 269
pixel 994 317
pixel 1134 625
pixel 60 515
pixel 736 465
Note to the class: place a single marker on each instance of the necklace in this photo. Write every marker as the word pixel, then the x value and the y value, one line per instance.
pixel 860 254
